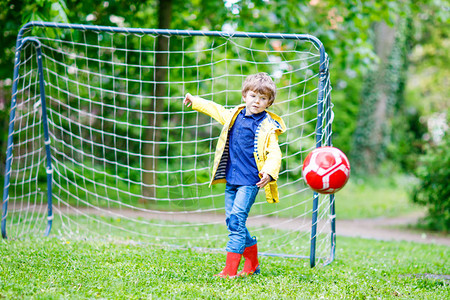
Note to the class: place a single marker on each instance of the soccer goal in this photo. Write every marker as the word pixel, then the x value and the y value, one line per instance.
pixel 101 147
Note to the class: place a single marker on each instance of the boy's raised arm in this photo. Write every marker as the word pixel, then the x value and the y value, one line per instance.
pixel 210 108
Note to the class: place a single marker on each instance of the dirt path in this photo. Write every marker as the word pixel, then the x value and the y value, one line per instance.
pixel 380 228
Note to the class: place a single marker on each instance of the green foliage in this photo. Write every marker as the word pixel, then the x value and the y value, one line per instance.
pixel 346 107
pixel 407 139
pixel 43 10
pixel 365 269
pixel 428 87
pixel 433 190
pixel 345 27
pixel 347 42
pixel 14 14
pixel 4 117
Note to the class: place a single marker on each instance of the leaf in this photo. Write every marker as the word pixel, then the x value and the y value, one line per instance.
pixel 59 13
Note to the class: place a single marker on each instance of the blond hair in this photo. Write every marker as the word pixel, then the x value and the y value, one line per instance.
pixel 260 83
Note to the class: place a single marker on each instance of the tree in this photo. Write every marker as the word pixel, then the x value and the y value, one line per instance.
pixel 13 14
pixel 151 149
pixel 381 96
pixel 433 190
pixel 344 27
pixel 390 125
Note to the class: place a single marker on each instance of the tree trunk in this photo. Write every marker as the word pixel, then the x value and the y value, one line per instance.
pixel 379 98
pixel 384 41
pixel 153 135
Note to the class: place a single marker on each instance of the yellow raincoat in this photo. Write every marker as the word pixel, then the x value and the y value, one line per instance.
pixel 266 151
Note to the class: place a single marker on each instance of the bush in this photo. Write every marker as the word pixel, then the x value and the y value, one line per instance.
pixel 433 190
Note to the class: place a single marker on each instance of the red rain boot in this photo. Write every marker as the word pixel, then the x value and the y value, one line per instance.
pixel 231 266
pixel 251 265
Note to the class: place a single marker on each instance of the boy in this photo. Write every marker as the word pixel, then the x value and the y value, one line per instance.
pixel 247 158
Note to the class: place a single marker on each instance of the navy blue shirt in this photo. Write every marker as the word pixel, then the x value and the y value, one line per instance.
pixel 241 165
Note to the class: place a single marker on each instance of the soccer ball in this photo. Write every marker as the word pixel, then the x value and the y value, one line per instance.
pixel 326 170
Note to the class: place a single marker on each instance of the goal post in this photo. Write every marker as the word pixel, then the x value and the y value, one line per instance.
pixel 100 145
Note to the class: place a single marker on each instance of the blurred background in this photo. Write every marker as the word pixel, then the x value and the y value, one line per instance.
pixel 390 73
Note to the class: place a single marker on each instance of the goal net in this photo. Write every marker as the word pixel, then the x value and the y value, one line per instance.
pixel 100 145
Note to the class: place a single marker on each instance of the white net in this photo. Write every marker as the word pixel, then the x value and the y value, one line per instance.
pixel 130 162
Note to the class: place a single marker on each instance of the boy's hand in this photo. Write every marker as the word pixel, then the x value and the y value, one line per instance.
pixel 265 179
pixel 188 100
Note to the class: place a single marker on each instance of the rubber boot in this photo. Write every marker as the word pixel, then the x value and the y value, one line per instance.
pixel 251 264
pixel 231 265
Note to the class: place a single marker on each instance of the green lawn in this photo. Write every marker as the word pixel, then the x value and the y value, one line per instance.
pixel 364 269
pixel 52 268
pixel 373 197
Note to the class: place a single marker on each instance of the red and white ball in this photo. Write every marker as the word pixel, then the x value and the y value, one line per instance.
pixel 326 170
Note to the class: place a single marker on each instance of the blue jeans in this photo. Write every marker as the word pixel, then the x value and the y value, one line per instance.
pixel 238 201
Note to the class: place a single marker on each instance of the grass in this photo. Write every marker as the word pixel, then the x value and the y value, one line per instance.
pixel 365 269
pixel 375 197
pixel 55 268
pixel 164 233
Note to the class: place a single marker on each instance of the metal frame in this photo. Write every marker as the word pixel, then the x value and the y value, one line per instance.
pixel 9 156
pixel 323 72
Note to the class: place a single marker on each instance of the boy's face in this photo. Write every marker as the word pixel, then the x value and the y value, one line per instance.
pixel 255 103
